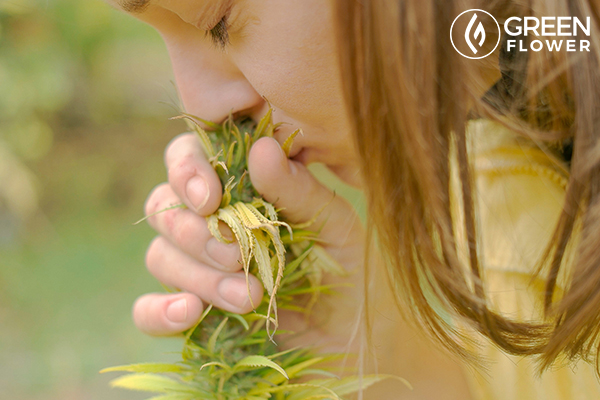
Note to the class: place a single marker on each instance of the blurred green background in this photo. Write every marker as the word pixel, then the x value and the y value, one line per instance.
pixel 85 97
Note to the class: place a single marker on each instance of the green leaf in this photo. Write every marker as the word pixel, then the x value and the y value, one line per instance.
pixel 262 129
pixel 151 383
pixel 189 333
pixel 146 367
pixel 326 262
pixel 287 145
pixel 239 318
pixel 215 363
pixel 294 370
pixel 282 353
pixel 292 266
pixel 258 361
pixel 316 372
pixel 212 341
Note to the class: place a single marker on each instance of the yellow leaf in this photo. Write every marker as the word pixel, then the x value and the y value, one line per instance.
pixel 287 145
pixel 150 383
pixel 146 367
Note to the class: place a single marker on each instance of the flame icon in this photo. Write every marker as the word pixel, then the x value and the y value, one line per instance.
pixel 478 38
pixel 479 33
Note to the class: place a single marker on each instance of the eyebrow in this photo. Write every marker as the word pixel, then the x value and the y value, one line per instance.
pixel 134 6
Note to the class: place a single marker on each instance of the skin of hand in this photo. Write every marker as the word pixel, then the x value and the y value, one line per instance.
pixel 283 51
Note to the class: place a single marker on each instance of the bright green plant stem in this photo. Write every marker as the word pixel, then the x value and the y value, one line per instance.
pixel 228 356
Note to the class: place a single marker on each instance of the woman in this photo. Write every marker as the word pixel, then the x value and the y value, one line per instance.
pixel 390 107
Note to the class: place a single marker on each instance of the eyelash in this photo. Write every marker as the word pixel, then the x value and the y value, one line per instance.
pixel 219 34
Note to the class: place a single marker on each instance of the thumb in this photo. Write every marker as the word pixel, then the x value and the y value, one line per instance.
pixel 289 185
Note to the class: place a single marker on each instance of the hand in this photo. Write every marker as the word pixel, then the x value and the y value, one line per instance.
pixel 187 257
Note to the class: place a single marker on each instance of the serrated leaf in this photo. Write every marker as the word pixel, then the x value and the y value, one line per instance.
pixel 287 145
pixel 264 127
pixel 294 370
pixel 238 318
pixel 151 383
pixel 229 157
pixel 147 368
pixel 263 260
pixel 257 362
pixel 215 363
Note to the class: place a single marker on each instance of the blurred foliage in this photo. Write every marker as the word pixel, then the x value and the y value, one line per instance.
pixel 83 125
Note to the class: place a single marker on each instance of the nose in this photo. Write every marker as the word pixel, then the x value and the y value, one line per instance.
pixel 210 84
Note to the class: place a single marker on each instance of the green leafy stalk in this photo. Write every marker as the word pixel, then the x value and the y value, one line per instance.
pixel 229 356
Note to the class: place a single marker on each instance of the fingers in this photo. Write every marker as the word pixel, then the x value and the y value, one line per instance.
pixel 166 314
pixel 188 231
pixel 289 185
pixel 191 176
pixel 225 290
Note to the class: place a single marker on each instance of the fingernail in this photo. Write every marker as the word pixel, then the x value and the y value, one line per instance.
pixel 197 192
pixel 177 311
pixel 234 291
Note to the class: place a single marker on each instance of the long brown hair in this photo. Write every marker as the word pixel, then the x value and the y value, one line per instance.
pixel 409 96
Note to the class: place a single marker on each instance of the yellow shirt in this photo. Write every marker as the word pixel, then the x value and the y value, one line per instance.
pixel 520 191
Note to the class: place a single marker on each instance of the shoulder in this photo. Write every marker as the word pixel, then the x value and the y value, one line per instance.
pixel 519 196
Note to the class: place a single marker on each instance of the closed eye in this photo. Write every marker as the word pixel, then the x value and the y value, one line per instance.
pixel 219 34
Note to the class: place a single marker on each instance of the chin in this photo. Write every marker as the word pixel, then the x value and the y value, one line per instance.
pixel 348 174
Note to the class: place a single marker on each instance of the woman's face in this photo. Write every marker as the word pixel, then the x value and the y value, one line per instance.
pixel 280 50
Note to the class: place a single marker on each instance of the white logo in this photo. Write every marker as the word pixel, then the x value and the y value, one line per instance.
pixel 523 34
pixel 479 34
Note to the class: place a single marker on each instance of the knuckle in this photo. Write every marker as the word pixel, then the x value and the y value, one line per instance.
pixel 169 220
pixel 174 146
pixel 182 170
pixel 184 231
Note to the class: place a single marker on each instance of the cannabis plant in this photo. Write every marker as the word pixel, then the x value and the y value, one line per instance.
pixel 229 356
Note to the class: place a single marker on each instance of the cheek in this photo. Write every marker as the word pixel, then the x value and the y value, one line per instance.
pixel 290 58
pixel 306 93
